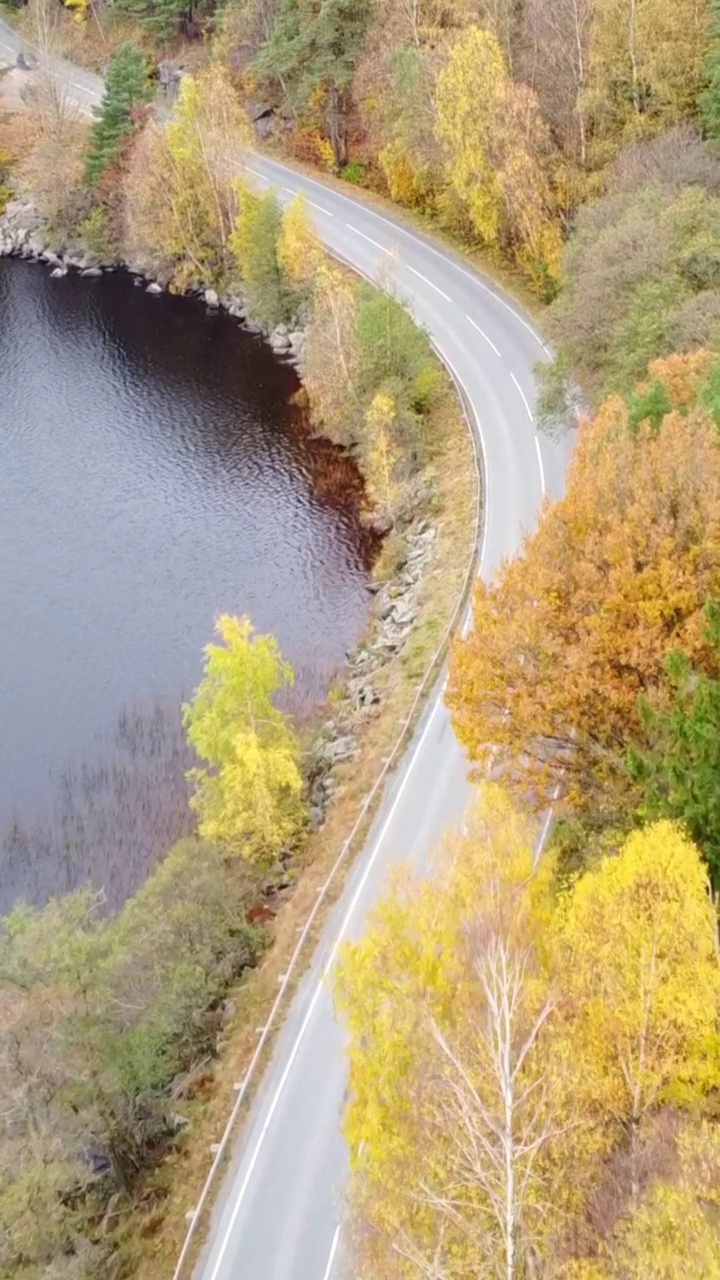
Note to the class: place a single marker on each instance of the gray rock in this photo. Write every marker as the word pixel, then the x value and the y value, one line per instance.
pixel 91 273
pixel 58 272
pixel 362 693
pixel 36 244
pixel 154 287
pixel 279 341
pixel 404 614
pixel 338 750
pixel 211 298
pixel 379 525
pixel 228 1011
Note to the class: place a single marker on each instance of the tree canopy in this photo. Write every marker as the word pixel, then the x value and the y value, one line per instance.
pixel 249 798
pixel 578 626
pixel 510 1045
pixel 127 87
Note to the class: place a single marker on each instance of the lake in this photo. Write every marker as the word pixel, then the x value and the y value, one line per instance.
pixel 154 472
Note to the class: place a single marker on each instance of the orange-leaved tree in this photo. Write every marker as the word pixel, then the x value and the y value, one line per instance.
pixel 578 626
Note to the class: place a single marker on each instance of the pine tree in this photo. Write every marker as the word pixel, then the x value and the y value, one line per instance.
pixel 312 51
pixel 162 18
pixel 709 99
pixel 127 85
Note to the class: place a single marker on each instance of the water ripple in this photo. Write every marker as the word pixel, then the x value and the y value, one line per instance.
pixel 152 474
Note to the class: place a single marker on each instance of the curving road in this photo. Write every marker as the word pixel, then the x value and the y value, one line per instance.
pixel 279 1213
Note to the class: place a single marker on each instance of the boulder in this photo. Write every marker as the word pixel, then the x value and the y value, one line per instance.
pixel 379 525
pixel 154 287
pixel 91 273
pixel 58 272
pixel 336 751
pixel 211 298
pixel 229 1009
pixel 36 244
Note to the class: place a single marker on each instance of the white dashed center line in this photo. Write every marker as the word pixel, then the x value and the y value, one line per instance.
pixel 523 397
pixel 483 334
pixel 540 461
pixel 420 276
pixel 369 239
pixel 319 207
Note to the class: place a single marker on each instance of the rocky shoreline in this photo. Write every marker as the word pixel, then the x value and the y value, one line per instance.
pixel 23 234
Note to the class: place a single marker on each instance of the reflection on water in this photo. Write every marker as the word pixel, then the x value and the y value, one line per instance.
pixel 152 474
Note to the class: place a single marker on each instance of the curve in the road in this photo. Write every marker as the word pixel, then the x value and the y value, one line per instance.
pixel 280 1212
pixel 280 1215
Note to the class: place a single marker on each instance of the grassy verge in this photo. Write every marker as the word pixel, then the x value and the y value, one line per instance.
pixel 152 1232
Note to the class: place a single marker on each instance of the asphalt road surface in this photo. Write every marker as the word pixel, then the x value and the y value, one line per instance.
pixel 279 1214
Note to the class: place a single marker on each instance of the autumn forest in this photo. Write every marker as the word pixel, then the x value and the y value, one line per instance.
pixel 535 1028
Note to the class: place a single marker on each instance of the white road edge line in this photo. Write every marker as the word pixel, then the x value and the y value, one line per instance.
pixel 369 239
pixel 483 334
pixel 540 462
pixel 333 1251
pixel 317 992
pixel 523 397
pixel 420 276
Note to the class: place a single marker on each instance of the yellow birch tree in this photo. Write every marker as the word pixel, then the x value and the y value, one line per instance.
pixel 447 1002
pixel 249 797
pixel 497 149
pixel 636 951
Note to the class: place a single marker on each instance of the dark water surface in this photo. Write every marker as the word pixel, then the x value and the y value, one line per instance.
pixel 152 474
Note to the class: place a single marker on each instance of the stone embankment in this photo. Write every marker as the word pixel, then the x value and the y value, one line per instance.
pixel 395 608
pixel 23 234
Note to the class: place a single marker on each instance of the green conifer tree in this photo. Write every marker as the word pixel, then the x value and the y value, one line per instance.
pixel 127 85
pixel 162 18
pixel 312 51
pixel 678 768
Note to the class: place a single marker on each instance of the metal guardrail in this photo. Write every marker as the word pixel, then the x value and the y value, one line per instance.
pixel 293 968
